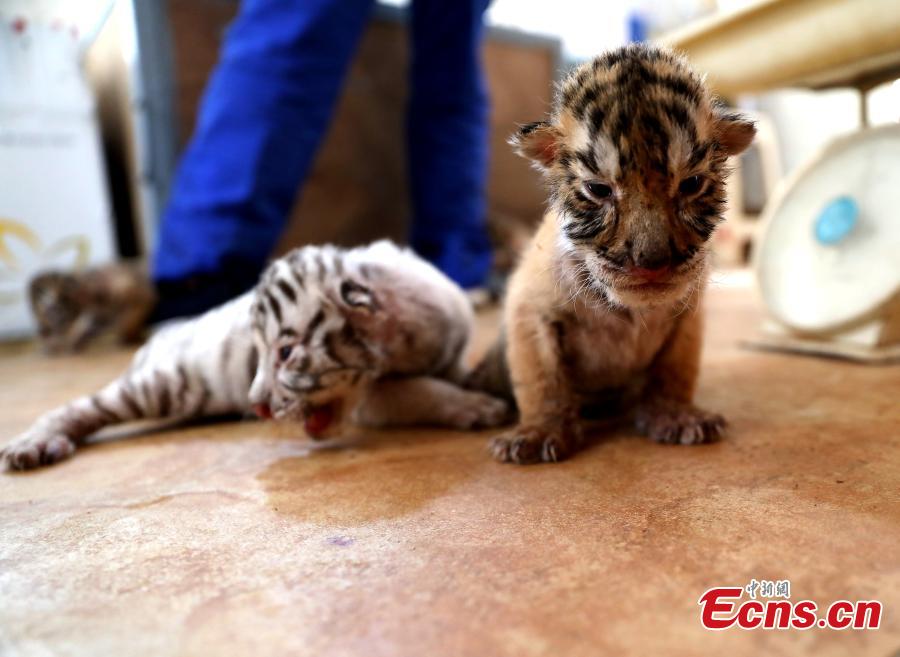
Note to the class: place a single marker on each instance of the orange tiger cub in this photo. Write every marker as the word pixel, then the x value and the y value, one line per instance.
pixel 608 294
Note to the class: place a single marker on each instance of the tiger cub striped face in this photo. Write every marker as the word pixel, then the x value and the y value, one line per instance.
pixel 635 155
pixel 57 304
pixel 311 321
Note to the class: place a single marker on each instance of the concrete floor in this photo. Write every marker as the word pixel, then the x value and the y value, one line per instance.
pixel 244 539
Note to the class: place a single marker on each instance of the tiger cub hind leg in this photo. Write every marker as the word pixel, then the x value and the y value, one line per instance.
pixel 428 401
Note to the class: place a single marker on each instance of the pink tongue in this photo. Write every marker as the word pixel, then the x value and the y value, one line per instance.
pixel 319 420
pixel 263 411
pixel 651 275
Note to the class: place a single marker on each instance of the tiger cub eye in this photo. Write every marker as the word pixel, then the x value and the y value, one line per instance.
pixel 599 190
pixel 691 185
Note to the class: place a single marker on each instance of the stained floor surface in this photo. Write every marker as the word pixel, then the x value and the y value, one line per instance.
pixel 245 539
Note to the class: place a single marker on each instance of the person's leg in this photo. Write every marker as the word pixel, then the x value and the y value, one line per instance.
pixel 448 138
pixel 263 114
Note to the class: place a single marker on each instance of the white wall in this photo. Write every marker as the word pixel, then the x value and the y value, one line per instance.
pixel 808 120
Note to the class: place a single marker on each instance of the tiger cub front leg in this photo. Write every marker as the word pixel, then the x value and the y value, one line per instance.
pixel 424 400
pixel 548 428
pixel 667 413
pixel 57 433
pixel 146 395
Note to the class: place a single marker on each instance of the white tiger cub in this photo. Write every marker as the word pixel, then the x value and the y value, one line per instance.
pixel 373 336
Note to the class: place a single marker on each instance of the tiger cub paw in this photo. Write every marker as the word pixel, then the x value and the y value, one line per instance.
pixel 480 411
pixel 673 423
pixel 32 451
pixel 527 444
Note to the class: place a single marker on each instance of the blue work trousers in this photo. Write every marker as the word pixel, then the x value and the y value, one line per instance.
pixel 262 118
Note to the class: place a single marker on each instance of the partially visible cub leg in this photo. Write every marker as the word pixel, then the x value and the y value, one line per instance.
pixel 425 400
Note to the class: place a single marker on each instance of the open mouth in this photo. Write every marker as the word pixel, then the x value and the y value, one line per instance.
pixel 648 286
pixel 319 418
pixel 263 411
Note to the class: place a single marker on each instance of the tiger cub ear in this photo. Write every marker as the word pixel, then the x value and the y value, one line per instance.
pixel 734 131
pixel 358 297
pixel 539 142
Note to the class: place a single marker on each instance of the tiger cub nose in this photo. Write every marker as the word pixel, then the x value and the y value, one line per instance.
pixel 651 260
pixel 651 264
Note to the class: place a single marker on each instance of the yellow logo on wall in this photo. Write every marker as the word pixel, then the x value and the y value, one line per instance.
pixel 22 255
